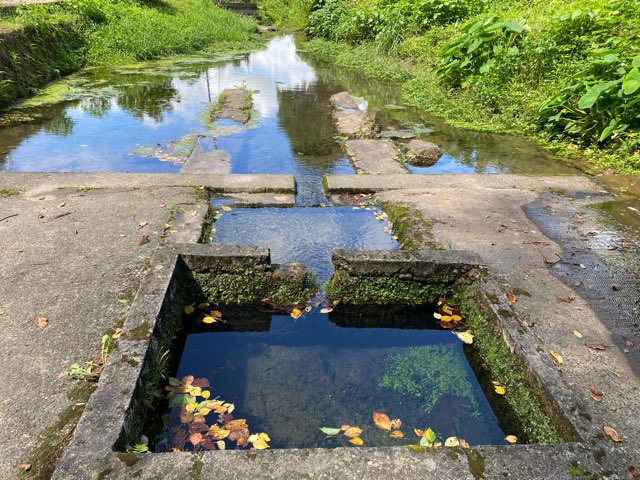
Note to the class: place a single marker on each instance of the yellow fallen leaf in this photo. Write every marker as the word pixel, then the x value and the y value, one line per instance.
pixel 447 309
pixel 190 407
pixel 204 411
pixel 557 357
pixel 353 432
pixel 42 322
pixel 466 337
pixel 419 432
pixel 209 320
pixel 456 318
pixel 335 303
pixel 511 438
pixel 260 444
pixel 205 394
pixel 356 441
pixel 221 445
pixel 500 390
pixel 308 308
pixel 396 434
pixel 577 334
pixel 437 316
pixel 452 442
pixel 296 313
pixel 264 436
pixel 326 310
pixel 117 334
pixel 382 420
pixel 231 408
pixel 189 309
pixel 226 208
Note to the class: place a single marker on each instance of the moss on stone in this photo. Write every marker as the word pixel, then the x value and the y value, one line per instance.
pixel 9 192
pixel 351 289
pixel 412 229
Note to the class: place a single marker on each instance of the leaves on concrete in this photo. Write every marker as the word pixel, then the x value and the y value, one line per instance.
pixel 612 434
pixel 557 357
pixel 42 322
pixel 511 438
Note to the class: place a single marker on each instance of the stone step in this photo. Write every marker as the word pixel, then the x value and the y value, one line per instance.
pixel 375 156
pixel 351 120
pixel 218 161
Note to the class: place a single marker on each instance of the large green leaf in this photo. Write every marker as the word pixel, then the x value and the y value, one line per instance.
pixel 609 130
pixel 631 82
pixel 592 95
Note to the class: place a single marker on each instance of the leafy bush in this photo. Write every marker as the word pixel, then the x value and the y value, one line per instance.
pixel 476 51
pixel 423 14
pixel 326 18
pixel 601 103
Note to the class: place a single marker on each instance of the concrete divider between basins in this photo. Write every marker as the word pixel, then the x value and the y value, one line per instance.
pixel 115 411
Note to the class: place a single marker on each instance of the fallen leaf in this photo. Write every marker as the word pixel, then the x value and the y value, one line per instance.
pixel 237 424
pixel 633 471
pixel 382 420
pixel 577 334
pixel 216 314
pixel 209 320
pixel 596 398
pixel 143 239
pixel 117 334
pixel 226 208
pixel 611 433
pixel 198 427
pixel 345 427
pixel 512 297
pixel 466 337
pixel 296 313
pixel 452 442
pixel 396 423
pixel 557 357
pixel 464 444
pixel 218 433
pixel 511 438
pixel 500 390
pixel 221 445
pixel 396 434
pixel 353 432
pixel 326 310
pixel 330 431
pixel 189 309
pixel 25 467
pixel 419 432
pixel 42 322
pixel 616 374
pixel 595 345
pixel 596 391
pixel 430 435
pixel 615 287
pixel 205 394
pixel 142 224
pixel 195 438
pixel 613 408
pixel 356 441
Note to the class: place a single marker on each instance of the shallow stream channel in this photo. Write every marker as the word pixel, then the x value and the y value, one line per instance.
pixel 321 366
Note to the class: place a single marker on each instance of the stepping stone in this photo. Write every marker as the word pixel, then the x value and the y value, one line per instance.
pixel 234 104
pixel 351 121
pixel 375 156
pixel 218 161
pixel 422 153
pixel 393 133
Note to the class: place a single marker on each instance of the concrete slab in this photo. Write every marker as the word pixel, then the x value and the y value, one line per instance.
pixel 261 199
pixel 354 124
pixel 34 181
pixel 186 221
pixel 218 161
pixel 234 104
pixel 375 156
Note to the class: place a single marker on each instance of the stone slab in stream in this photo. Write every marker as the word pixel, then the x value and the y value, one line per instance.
pixel 375 156
pixel 218 161
pixel 235 104
pixel 351 120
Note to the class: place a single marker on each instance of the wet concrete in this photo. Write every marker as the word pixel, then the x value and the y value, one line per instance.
pixel 218 161
pixel 375 156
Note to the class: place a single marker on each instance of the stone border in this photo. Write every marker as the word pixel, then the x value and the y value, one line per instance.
pixel 91 452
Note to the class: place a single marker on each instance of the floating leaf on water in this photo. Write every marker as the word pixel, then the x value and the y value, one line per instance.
pixel 200 382
pixel 345 427
pixel 464 444
pixel 396 423
pixel 260 444
pixel 437 316
pixel 330 431
pixel 195 438
pixel 237 424
pixel 557 357
pixel 382 421
pixel 205 394
pixel 396 434
pixel 424 442
pixel 198 427
pixel 264 436
pixel 466 337
pixel 452 442
pixel 500 390
pixel 308 308
pixel 296 313
pixel 356 441
pixel 189 309
pixel 430 435
pixel 511 438
pixel 353 432
pixel 326 310
pixel 204 306
pixel 231 408
pixel 612 434
pixel 419 432
pixel 216 314
pixel 204 411
pixel 218 433
pixel 209 320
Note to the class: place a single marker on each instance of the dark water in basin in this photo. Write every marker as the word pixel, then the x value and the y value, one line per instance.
pixel 97 120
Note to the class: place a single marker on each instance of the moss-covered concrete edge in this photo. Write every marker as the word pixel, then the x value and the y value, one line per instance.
pixel 413 230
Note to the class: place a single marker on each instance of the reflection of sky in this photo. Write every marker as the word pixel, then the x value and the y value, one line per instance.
pixel 103 143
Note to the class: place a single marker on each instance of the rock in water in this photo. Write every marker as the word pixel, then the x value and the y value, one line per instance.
pixel 422 153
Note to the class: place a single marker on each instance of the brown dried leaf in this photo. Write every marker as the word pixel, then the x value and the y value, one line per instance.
pixel 596 398
pixel 596 391
pixel 611 433
pixel 207 444
pixel 382 421
pixel 512 297
pixel 238 435
pixel 42 322
pixel 195 438
pixel 345 427
pixel 198 427
pixel 353 432
pixel 464 444
pixel 143 239
pixel 595 345
pixel 613 408
pixel 25 467
pixel 396 434
pixel 396 423
pixel 237 424
pixel 187 380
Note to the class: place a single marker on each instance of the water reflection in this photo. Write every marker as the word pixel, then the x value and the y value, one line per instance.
pixel 95 120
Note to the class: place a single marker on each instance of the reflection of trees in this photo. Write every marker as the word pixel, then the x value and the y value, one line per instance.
pixel 96 106
pixel 60 125
pixel 305 116
pixel 148 100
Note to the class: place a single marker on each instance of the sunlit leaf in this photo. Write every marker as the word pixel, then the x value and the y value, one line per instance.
pixel 452 442
pixel 512 297
pixel 231 408
pixel 195 438
pixel 345 427
pixel 577 334
pixel 189 309
pixel 419 432
pixel 308 308
pixel 205 394
pixel 466 337
pixel 226 208
pixel 456 318
pixel 353 432
pixel 264 436
pixel 236 424
pixel 396 423
pixel 326 310
pixel 221 445
pixel 330 431
pixel 209 320
pixel 382 420
pixel 356 441
pixel 430 435
pixel 511 438
pixel 437 316
pixel 500 390
pixel 296 313
pixel 218 433
pixel 557 357
pixel 424 442
pixel 216 314
pixel 259 443
pixel 396 434
pixel 446 309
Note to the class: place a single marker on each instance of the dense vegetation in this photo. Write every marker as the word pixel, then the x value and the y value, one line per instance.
pixel 565 72
pixel 41 42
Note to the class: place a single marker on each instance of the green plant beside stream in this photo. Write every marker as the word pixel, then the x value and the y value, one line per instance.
pixel 563 73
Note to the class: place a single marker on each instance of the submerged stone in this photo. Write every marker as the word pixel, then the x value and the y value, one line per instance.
pixel 343 101
pixel 375 156
pixel 234 104
pixel 218 161
pixel 422 153
pixel 351 120
pixel 393 133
